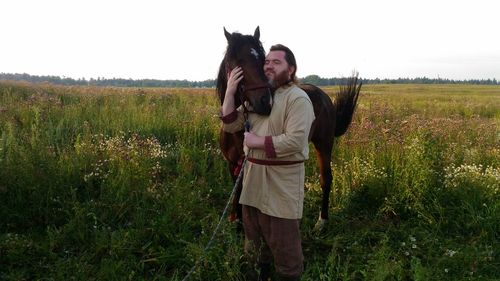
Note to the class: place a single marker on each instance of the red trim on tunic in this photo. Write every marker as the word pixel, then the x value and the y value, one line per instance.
pixel 230 118
pixel 269 147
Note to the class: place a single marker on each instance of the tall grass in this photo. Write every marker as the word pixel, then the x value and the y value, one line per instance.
pixel 128 183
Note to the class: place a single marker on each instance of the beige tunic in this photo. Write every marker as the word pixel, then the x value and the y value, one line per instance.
pixel 278 190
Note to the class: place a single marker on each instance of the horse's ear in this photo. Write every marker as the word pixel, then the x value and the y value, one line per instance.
pixel 227 34
pixel 256 34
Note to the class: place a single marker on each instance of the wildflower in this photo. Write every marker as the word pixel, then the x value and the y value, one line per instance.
pixel 450 253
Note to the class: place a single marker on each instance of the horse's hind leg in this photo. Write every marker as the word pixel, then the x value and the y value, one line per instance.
pixel 324 156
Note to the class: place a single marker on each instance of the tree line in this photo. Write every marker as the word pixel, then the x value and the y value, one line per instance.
pixel 116 82
pixel 319 81
pixel 209 83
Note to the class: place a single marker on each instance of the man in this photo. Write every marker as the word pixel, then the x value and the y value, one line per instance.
pixel 276 146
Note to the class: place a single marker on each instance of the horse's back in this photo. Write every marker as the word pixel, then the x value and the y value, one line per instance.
pixel 318 97
pixel 324 111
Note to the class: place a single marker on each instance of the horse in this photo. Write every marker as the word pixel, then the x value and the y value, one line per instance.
pixel 332 118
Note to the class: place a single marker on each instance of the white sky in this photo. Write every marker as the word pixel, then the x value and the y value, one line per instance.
pixel 183 39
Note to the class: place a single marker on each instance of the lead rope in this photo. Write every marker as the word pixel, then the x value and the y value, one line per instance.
pixel 210 242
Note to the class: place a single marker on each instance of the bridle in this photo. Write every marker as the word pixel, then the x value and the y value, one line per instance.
pixel 243 90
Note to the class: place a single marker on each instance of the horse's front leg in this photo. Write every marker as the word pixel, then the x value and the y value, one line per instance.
pixel 237 210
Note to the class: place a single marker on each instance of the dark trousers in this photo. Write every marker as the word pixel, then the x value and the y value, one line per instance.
pixel 268 237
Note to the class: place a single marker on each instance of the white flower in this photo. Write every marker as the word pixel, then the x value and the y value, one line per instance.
pixel 450 253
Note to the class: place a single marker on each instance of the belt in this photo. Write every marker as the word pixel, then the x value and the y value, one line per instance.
pixel 273 162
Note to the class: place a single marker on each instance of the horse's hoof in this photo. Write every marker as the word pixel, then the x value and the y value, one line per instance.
pixel 320 224
pixel 232 217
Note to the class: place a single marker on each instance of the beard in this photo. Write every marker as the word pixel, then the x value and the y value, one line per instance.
pixel 279 79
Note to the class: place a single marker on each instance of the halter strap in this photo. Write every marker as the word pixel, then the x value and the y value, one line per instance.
pixel 244 89
pixel 263 86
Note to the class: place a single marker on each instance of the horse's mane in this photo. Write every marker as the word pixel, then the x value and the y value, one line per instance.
pixel 235 43
pixel 221 84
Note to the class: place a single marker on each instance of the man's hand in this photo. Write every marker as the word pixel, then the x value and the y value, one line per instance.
pixel 233 80
pixel 254 141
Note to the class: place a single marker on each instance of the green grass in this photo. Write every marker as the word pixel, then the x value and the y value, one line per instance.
pixel 128 183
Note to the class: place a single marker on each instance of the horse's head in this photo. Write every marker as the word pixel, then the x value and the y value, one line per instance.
pixel 247 52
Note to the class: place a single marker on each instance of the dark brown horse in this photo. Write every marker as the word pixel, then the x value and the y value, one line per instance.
pixel 332 118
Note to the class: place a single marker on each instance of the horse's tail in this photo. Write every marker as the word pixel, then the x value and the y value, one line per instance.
pixel 345 104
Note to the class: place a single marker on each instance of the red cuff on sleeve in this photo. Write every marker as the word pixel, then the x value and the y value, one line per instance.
pixel 269 147
pixel 230 118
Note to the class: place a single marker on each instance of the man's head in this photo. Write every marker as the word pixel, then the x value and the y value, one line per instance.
pixel 280 66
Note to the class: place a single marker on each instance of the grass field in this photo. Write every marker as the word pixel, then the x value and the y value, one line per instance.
pixel 128 184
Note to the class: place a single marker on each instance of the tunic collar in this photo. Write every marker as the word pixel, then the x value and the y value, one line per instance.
pixel 284 88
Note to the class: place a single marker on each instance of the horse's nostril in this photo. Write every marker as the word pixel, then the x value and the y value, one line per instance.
pixel 266 105
pixel 264 100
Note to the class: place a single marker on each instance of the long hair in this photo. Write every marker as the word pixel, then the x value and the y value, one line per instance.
pixel 221 84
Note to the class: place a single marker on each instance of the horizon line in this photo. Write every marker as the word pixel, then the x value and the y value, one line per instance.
pixel 214 79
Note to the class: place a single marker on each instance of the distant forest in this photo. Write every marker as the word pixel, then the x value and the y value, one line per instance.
pixel 311 79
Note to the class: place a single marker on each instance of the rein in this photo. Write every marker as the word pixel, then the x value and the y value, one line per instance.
pixel 243 90
pixel 210 242
pixel 221 219
pixel 258 87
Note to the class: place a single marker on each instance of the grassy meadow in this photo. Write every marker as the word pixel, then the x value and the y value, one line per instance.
pixel 128 184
